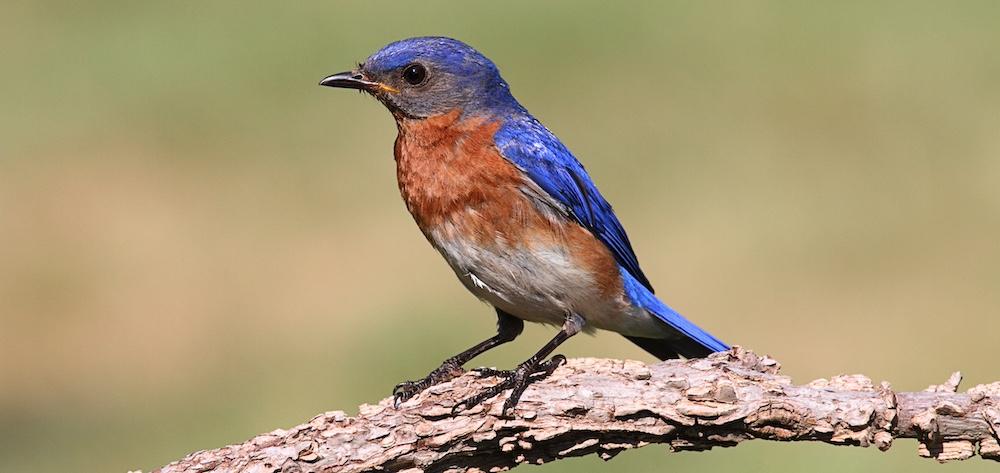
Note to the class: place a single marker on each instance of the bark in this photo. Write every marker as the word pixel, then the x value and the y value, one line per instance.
pixel 602 407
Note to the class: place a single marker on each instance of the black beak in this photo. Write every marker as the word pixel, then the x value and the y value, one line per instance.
pixel 349 80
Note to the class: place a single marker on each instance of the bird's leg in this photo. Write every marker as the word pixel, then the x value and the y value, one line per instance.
pixel 508 328
pixel 533 369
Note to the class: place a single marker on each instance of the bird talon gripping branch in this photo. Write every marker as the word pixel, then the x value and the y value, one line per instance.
pixel 513 213
pixel 407 389
pixel 516 380
pixel 490 372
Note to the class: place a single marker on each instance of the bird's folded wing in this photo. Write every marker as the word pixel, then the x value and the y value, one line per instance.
pixel 537 152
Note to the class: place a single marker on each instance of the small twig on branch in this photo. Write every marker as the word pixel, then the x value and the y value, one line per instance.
pixel 606 406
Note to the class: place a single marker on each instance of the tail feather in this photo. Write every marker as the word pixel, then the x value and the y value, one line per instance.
pixel 692 341
pixel 659 348
pixel 665 349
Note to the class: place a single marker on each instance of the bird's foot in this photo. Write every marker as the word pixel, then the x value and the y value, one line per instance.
pixel 517 380
pixel 407 389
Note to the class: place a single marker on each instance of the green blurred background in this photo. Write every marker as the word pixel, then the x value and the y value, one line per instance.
pixel 198 243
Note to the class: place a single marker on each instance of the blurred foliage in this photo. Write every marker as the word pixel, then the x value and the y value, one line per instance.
pixel 198 244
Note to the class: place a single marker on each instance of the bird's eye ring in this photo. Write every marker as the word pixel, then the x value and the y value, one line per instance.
pixel 414 74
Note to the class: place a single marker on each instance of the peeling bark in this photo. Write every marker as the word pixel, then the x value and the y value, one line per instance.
pixel 598 406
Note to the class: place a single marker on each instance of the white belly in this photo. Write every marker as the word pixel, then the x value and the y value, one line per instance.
pixel 542 284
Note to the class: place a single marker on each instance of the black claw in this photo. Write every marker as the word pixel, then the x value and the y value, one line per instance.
pixel 407 389
pixel 404 391
pixel 491 372
pixel 517 380
pixel 552 364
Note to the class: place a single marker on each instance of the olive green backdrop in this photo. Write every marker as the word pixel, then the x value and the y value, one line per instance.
pixel 198 243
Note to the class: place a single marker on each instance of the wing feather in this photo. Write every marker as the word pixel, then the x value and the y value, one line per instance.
pixel 537 152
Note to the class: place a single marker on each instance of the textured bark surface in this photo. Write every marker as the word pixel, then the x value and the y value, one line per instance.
pixel 598 406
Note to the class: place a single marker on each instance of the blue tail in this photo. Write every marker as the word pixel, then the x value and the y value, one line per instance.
pixel 694 342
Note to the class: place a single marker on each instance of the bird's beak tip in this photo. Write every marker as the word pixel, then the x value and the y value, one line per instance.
pixel 347 80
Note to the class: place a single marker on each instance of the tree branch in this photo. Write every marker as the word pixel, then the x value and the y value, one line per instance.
pixel 607 406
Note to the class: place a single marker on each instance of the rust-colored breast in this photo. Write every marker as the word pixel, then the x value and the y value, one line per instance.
pixel 457 186
pixel 447 166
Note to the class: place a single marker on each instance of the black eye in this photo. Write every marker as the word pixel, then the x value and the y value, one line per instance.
pixel 414 74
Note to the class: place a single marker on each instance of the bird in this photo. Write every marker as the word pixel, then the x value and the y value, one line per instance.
pixel 514 214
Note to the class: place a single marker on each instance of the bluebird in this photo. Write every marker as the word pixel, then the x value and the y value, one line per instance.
pixel 513 213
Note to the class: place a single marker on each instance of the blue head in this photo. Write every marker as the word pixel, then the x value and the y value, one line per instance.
pixel 428 76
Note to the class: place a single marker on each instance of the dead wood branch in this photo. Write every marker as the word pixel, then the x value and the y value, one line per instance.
pixel 606 406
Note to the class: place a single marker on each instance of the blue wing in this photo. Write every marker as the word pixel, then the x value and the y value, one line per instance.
pixel 534 149
pixel 537 152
